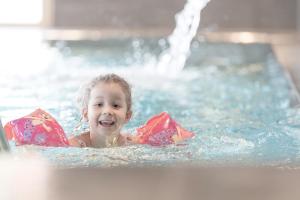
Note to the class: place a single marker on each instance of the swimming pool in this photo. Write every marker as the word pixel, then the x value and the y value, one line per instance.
pixel 235 97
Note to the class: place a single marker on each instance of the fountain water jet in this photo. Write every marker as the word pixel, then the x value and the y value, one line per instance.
pixel 173 59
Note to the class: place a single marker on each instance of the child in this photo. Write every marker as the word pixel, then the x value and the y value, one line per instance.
pixel 106 105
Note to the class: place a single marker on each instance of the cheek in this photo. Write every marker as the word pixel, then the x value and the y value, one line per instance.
pixel 91 114
pixel 122 115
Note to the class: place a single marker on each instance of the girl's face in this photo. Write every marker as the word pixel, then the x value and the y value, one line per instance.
pixel 107 109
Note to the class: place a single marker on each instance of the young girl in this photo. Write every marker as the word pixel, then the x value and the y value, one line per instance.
pixel 106 106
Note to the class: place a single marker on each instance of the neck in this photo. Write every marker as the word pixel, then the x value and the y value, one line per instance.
pixel 102 141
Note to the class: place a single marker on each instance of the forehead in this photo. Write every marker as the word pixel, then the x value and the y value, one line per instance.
pixel 111 89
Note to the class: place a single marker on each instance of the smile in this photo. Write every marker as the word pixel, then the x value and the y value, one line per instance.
pixel 106 123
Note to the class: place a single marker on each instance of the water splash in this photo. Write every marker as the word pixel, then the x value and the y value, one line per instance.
pixel 173 59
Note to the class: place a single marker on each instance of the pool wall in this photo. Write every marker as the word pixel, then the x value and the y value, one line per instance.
pixel 269 15
pixel 270 21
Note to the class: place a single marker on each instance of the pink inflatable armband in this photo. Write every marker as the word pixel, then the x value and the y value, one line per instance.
pixel 162 130
pixel 38 128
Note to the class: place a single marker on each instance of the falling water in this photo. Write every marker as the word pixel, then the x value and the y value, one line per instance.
pixel 173 59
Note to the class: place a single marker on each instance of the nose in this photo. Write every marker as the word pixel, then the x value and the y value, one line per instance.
pixel 107 110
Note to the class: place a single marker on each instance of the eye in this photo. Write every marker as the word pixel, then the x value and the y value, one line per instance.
pixel 116 106
pixel 99 104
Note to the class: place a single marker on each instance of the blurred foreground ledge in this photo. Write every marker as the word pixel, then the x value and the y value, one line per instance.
pixel 33 179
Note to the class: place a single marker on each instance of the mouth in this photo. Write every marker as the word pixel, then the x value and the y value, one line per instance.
pixel 107 123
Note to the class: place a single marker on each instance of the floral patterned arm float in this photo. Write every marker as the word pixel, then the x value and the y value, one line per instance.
pixel 38 128
pixel 161 130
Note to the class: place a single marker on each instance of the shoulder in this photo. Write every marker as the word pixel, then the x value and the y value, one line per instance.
pixel 82 140
pixel 130 139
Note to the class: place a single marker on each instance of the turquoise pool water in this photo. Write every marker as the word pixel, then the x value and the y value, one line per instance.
pixel 234 97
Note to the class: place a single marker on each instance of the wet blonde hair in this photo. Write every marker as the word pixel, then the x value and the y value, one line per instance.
pixel 85 91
